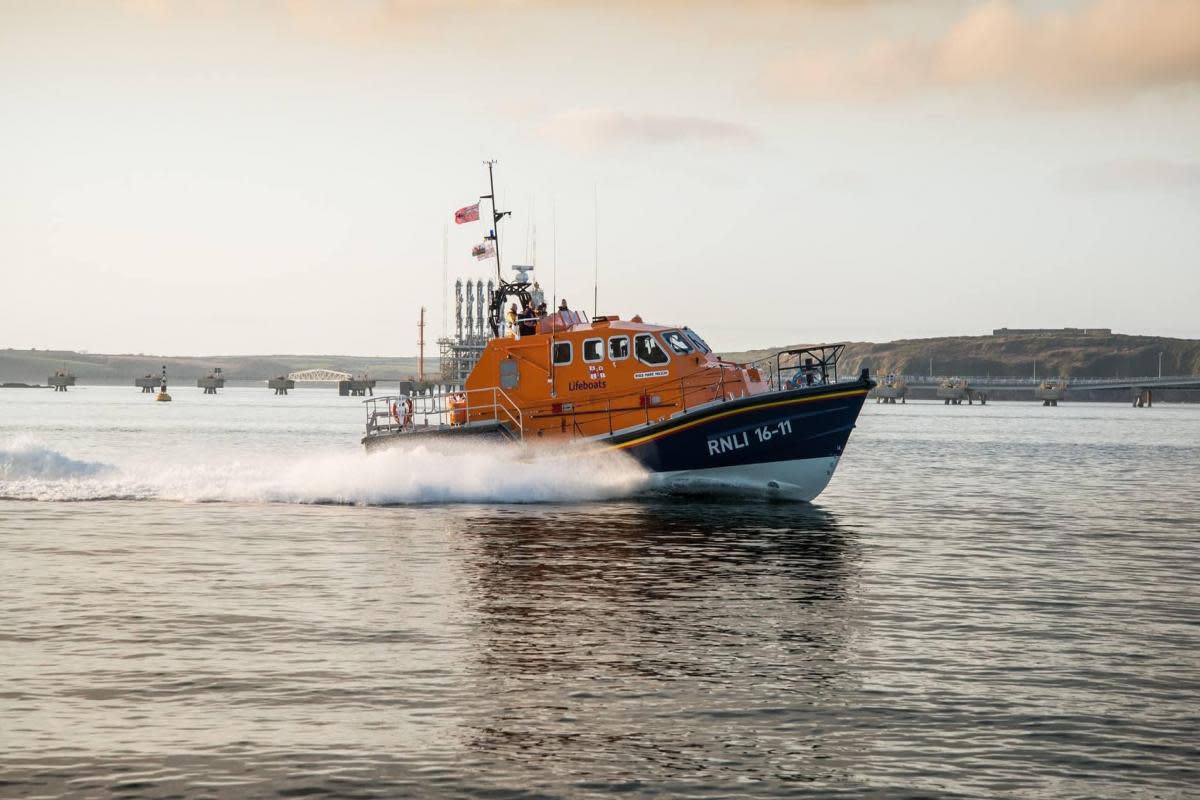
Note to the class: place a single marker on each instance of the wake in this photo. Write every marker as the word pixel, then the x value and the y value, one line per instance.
pixel 429 473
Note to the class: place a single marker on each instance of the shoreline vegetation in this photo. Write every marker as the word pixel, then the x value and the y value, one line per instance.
pixel 1068 355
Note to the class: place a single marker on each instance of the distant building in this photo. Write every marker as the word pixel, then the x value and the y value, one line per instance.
pixel 1052 331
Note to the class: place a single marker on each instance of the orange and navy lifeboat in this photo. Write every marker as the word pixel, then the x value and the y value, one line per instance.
pixel 655 392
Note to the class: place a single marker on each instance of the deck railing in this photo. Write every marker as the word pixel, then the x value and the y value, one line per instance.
pixel 718 382
pixel 472 405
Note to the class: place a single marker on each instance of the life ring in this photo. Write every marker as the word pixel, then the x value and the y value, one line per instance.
pixel 395 412
pixel 458 408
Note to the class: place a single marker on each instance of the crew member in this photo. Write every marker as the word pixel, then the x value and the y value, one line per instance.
pixel 511 319
pixel 528 321
pixel 408 412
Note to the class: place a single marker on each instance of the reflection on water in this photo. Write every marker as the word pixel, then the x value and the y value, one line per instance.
pixel 647 637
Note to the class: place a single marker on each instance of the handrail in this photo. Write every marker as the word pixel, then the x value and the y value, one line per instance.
pixel 673 395
pixel 494 401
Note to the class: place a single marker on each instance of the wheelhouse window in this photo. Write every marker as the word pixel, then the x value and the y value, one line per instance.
pixel 701 345
pixel 618 348
pixel 648 350
pixel 676 341
pixel 562 353
pixel 593 350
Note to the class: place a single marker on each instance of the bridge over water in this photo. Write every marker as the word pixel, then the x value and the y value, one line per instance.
pixel 348 385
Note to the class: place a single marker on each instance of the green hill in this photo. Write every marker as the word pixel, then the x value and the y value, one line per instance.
pixel 1056 354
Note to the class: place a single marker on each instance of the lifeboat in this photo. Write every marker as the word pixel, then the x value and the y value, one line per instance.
pixel 699 423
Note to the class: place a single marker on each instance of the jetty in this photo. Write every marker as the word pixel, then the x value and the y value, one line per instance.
pixel 281 384
pixel 211 382
pixel 60 380
pixel 1047 391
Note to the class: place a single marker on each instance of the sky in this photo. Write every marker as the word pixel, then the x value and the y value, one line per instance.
pixel 219 177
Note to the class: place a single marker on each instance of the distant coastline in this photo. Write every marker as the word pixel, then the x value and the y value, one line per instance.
pixel 33 366
pixel 1044 354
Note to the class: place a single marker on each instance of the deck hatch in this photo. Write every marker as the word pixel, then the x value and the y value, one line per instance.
pixel 510 374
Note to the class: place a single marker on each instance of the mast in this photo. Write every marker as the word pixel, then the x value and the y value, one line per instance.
pixel 494 235
pixel 421 347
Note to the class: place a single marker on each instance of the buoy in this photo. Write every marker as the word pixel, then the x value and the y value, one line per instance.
pixel 162 395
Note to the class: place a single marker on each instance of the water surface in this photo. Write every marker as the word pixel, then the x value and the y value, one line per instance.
pixel 223 597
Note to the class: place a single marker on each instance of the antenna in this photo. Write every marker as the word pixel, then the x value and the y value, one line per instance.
pixel 445 274
pixel 529 234
pixel 554 252
pixel 421 347
pixel 595 251
pixel 553 282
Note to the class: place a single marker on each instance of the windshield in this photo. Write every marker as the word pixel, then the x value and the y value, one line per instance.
pixel 701 345
pixel 677 342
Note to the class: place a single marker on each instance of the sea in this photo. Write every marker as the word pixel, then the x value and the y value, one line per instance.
pixel 225 597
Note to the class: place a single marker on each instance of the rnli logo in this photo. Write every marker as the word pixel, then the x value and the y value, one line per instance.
pixel 596 379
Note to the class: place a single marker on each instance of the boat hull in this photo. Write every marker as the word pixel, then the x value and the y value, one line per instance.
pixel 799 479
pixel 780 444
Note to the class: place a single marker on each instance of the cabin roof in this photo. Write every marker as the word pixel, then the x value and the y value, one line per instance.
pixel 576 322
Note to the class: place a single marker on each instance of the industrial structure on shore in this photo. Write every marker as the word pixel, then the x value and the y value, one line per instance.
pixel 459 353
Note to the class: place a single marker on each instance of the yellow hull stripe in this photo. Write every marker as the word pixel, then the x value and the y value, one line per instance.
pixel 723 414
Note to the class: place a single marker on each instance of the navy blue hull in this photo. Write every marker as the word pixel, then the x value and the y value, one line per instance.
pixel 808 423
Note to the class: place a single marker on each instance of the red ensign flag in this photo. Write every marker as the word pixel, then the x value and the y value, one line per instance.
pixel 466 214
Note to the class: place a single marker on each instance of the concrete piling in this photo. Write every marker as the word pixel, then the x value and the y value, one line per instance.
pixel 211 382
pixel 60 380
pixel 281 384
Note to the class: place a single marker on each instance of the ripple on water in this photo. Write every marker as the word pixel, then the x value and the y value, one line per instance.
pixel 981 606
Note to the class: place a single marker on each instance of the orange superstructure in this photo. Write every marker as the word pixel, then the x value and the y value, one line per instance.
pixel 570 377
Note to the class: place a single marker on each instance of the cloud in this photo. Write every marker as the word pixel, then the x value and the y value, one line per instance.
pixel 604 129
pixel 1103 46
pixel 1131 175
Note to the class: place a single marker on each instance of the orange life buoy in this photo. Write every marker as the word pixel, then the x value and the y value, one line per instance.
pixel 458 408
